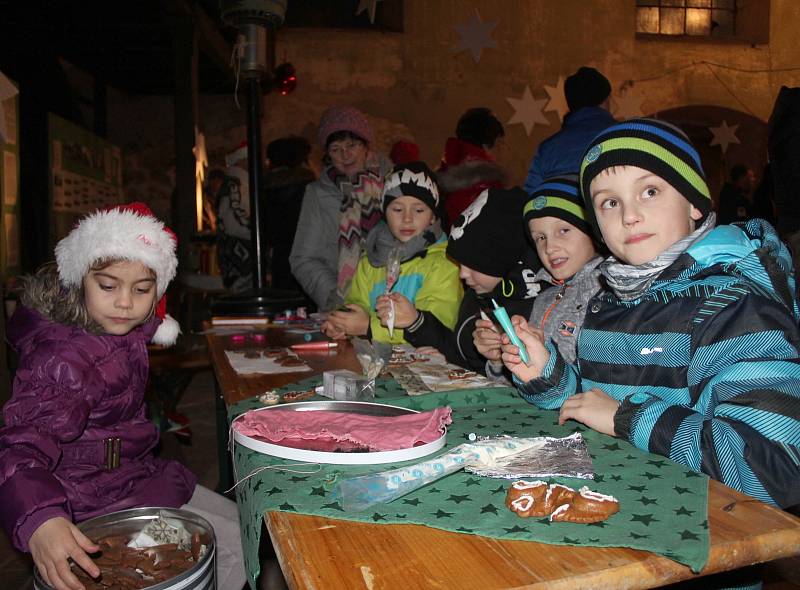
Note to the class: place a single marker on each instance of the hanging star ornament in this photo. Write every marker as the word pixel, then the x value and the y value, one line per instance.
pixel 724 135
pixel 528 110
pixel 476 36
pixel 370 6
pixel 558 100
pixel 627 105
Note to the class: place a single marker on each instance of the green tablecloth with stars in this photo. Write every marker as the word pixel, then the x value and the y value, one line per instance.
pixel 663 505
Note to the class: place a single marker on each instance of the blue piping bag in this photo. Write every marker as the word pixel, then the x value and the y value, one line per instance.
pixel 505 322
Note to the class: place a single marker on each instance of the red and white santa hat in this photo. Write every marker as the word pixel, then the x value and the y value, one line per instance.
pixel 124 232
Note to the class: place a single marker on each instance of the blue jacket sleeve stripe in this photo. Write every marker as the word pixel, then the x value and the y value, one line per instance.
pixel 686 439
pixel 643 423
pixel 557 382
pixel 767 344
pixel 742 378
pixel 768 424
pixel 736 472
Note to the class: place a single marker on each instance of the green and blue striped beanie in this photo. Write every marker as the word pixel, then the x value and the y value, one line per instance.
pixel 558 197
pixel 652 145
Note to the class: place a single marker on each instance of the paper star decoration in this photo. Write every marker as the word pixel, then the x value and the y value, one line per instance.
pixel 724 135
pixel 528 110
pixel 370 6
pixel 476 36
pixel 627 105
pixel 558 100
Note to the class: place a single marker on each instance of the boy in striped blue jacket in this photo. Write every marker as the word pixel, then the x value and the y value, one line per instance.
pixel 691 352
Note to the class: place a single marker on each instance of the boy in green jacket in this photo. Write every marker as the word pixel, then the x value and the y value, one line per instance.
pixel 428 282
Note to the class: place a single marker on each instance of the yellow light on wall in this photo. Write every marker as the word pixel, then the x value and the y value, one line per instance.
pixel 201 163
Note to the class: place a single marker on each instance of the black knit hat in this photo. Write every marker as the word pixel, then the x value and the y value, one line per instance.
pixel 655 146
pixel 586 88
pixel 414 179
pixel 558 197
pixel 480 127
pixel 486 236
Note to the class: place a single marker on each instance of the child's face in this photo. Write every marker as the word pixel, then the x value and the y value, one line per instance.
pixel 477 281
pixel 640 214
pixel 562 247
pixel 121 296
pixel 408 217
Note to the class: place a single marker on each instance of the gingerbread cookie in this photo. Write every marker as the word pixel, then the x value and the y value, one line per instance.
pixel 273 351
pixel 298 396
pixel 292 361
pixel 561 503
pixel 586 507
pixel 455 374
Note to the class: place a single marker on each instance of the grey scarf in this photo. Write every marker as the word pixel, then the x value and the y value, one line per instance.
pixel 628 281
pixel 380 242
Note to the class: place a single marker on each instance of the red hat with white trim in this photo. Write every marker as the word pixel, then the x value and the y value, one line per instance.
pixel 124 232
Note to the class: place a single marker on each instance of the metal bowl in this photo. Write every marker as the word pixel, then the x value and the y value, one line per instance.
pixel 201 576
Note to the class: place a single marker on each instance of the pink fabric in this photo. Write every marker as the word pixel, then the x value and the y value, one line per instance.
pixel 337 431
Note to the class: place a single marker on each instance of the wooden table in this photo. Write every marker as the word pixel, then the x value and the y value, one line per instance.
pixel 323 553
pixel 235 387
pixel 232 387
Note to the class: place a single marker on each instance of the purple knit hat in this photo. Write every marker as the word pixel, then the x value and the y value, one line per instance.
pixel 343 119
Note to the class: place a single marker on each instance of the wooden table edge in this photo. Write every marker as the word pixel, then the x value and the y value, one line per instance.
pixel 652 570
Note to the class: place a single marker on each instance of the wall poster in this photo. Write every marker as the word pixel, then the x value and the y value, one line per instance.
pixel 86 174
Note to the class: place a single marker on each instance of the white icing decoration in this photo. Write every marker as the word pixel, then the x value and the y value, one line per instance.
pixel 590 495
pixel 526 485
pixel 561 509
pixel 523 503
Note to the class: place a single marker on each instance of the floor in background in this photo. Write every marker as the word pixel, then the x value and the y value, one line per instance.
pixel 201 457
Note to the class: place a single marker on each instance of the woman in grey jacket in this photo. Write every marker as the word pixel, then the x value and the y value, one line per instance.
pixel 339 209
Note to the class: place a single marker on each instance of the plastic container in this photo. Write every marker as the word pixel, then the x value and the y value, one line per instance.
pixel 346 385
pixel 201 576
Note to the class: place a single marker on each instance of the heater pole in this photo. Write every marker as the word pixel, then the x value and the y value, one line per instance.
pixel 254 176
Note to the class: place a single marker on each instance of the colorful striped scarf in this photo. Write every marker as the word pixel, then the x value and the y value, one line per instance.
pixel 360 211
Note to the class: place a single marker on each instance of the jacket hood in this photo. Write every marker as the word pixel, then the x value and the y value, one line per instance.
pixel 750 251
pixel 28 325
pixel 465 165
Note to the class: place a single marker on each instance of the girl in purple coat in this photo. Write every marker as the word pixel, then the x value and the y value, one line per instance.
pixel 76 443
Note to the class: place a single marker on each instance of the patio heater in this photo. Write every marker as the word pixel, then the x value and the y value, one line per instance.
pixel 256 21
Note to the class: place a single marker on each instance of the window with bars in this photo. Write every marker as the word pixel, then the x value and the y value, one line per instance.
pixel 703 18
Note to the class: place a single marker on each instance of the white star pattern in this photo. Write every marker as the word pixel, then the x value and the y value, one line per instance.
pixel 370 6
pixel 476 36
pixel 528 110
pixel 627 105
pixel 558 100
pixel 724 135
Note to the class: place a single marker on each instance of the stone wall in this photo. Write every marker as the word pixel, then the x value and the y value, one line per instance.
pixel 414 85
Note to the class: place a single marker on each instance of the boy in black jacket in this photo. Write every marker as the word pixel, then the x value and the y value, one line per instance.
pixel 496 261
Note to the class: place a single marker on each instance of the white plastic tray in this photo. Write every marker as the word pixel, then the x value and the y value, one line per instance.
pixel 368 458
